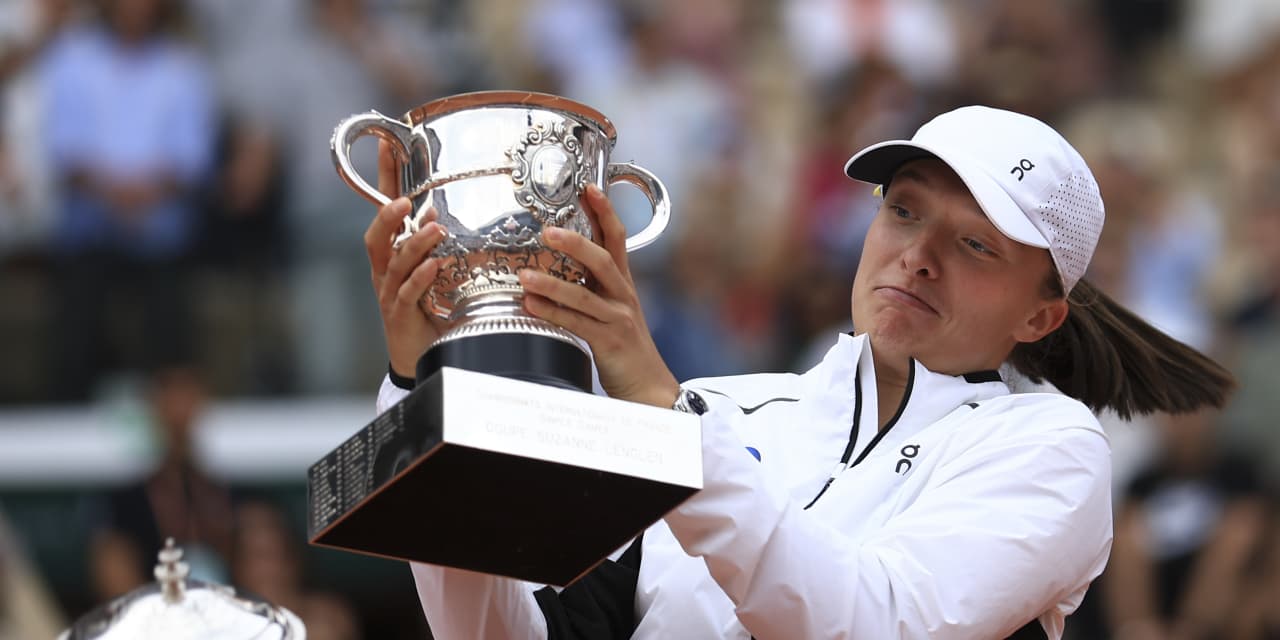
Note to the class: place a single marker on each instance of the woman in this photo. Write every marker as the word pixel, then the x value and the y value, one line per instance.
pixel 897 489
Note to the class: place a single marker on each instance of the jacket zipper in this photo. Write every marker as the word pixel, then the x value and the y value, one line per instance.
pixel 857 420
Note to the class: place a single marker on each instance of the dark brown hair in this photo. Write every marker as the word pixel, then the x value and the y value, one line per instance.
pixel 1108 358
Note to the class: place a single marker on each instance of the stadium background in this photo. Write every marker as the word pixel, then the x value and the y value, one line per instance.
pixel 186 322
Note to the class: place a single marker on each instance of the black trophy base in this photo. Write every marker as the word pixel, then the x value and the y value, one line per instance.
pixel 520 356
pixel 402 488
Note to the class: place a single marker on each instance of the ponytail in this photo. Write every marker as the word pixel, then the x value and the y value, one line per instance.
pixel 1108 358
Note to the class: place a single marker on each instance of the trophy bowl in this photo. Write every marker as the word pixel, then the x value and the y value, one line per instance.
pixel 499 167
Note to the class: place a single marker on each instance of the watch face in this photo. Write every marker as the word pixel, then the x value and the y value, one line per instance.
pixel 696 403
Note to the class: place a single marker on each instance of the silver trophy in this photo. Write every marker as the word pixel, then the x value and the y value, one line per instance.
pixel 179 608
pixel 496 461
pixel 499 167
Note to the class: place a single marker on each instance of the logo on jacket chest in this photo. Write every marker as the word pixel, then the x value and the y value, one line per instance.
pixel 908 453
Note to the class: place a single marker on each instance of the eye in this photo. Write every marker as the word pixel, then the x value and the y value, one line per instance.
pixel 899 212
pixel 978 246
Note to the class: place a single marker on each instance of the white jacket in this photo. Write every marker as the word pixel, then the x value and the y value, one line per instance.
pixel 974 512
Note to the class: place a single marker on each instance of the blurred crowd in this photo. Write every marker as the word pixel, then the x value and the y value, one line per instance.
pixel 169 212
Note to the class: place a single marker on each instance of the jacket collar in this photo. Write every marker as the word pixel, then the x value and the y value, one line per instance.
pixel 930 395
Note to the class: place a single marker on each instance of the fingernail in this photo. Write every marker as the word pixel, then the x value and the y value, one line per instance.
pixel 553 233
pixel 400 205
pixel 594 190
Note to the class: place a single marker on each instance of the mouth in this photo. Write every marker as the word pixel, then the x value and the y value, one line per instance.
pixel 906 298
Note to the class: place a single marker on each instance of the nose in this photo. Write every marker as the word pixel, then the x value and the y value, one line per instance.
pixel 920 256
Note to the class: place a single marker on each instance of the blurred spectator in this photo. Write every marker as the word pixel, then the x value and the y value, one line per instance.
pixel 176 500
pixel 1136 29
pixel 267 563
pixel 245 249
pixel 1185 536
pixel 652 90
pixel 129 120
pixel 1218 40
pixel 1165 230
pixel 26 608
pixel 1037 58
pixel 1258 616
pixel 829 36
pixel 27 29
pixel 673 117
pixel 351 60
pixel 687 315
pixel 579 44
pixel 1255 325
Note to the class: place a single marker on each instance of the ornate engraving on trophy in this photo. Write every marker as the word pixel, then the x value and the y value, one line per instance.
pixel 549 172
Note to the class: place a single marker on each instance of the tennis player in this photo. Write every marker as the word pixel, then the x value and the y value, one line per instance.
pixel 912 484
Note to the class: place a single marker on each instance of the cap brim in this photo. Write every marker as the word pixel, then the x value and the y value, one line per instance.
pixel 877 163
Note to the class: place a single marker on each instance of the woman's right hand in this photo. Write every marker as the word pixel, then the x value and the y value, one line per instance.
pixel 401 276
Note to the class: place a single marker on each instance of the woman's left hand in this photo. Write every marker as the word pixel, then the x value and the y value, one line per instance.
pixel 607 315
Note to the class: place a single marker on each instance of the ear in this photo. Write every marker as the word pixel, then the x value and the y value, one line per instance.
pixel 1044 320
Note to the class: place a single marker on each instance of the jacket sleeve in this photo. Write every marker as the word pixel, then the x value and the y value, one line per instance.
pixel 996 539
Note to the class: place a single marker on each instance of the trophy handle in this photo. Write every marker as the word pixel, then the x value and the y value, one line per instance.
pixel 358 126
pixel 652 188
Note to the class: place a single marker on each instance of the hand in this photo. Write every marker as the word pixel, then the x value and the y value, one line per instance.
pixel 608 315
pixel 401 276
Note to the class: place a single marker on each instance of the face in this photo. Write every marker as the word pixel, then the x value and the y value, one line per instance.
pixel 135 19
pixel 939 283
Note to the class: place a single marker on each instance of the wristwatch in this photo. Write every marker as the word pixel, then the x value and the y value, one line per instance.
pixel 688 401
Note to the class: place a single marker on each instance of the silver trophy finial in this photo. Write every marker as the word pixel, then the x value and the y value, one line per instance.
pixel 172 572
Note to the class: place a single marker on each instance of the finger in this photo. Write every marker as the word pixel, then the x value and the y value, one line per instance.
pixel 416 285
pixel 377 238
pixel 388 170
pixel 613 233
pixel 595 258
pixel 568 294
pixel 572 321
pixel 411 254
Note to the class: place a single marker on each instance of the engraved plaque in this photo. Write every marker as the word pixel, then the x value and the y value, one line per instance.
pixel 503 476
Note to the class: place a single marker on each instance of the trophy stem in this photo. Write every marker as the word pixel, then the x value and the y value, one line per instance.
pixel 494 335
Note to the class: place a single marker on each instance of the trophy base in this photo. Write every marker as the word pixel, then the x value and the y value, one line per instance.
pixel 504 477
pixel 522 356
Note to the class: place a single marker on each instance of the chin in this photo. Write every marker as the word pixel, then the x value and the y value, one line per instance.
pixel 893 335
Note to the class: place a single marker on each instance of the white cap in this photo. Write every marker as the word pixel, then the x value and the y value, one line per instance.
pixel 1031 183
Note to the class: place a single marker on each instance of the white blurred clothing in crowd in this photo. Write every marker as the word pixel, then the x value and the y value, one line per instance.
pixel 26 187
pixel 829 36
pixel 1220 36
pixel 581 42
